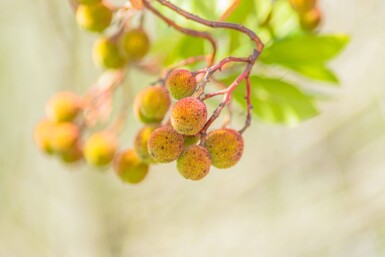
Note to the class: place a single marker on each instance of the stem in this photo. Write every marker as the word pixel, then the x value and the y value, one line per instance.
pixel 249 106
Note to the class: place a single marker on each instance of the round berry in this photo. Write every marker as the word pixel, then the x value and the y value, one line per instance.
pixel 181 83
pixel 107 54
pixel 310 20
pixel 135 44
pixel 88 2
pixel 63 107
pixel 303 5
pixel 64 137
pixel 43 135
pixel 73 155
pixel 140 144
pixel 165 144
pixel 95 17
pixel 188 116
pixel 100 148
pixel 194 162
pixel 129 167
pixel 225 147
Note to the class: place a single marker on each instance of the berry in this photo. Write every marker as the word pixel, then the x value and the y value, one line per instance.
pixel 73 155
pixel 64 137
pixel 135 44
pixel 165 144
pixel 302 6
pixel 100 148
pixel 188 116
pixel 225 147
pixel 181 83
pixel 63 107
pixel 129 167
pixel 88 2
pixel 152 104
pixel 137 4
pixel 107 54
pixel 95 17
pixel 43 135
pixel 311 19
pixel 191 140
pixel 140 144
pixel 194 162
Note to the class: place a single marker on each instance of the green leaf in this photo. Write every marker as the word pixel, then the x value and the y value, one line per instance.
pixel 315 71
pixel 304 49
pixel 277 101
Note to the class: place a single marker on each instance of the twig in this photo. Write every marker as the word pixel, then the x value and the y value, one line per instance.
pixel 249 106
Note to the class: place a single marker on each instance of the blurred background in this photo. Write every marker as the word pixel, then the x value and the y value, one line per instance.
pixel 314 190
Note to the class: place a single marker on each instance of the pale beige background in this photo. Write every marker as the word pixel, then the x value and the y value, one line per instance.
pixel 315 190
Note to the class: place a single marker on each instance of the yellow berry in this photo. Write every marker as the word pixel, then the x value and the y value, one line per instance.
pixel 188 116
pixel 100 148
pixel 303 5
pixel 194 162
pixel 88 2
pixel 310 20
pixel 225 147
pixel 181 83
pixel 135 44
pixel 64 137
pixel 152 104
pixel 107 54
pixel 95 17
pixel 43 135
pixel 129 167
pixel 191 140
pixel 73 155
pixel 140 144
pixel 165 144
pixel 63 107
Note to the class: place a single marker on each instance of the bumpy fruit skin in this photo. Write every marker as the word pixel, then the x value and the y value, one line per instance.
pixel 135 44
pixel 225 147
pixel 107 54
pixel 191 140
pixel 194 162
pixel 165 144
pixel 94 17
pixel 310 20
pixel 140 144
pixel 43 135
pixel 63 107
pixel 64 137
pixel 152 104
pixel 302 6
pixel 181 83
pixel 73 155
pixel 100 148
pixel 88 2
pixel 129 167
pixel 188 116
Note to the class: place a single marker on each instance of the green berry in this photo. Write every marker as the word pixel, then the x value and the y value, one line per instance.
pixel 107 54
pixel 135 44
pixel 88 2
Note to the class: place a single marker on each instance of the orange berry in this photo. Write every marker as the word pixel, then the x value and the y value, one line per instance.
pixel 194 162
pixel 43 135
pixel 64 137
pixel 100 148
pixel 140 144
pixel 310 20
pixel 129 167
pixel 63 107
pixel 181 83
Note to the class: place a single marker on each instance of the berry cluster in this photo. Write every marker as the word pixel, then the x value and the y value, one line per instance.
pixel 172 109
pixel 309 14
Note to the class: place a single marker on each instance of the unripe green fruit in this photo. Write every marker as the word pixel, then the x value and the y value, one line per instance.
pixel 63 107
pixel 302 6
pixel 310 20
pixel 191 140
pixel 165 144
pixel 225 147
pixel 64 137
pixel 181 83
pixel 95 17
pixel 188 116
pixel 73 155
pixel 194 162
pixel 140 144
pixel 135 44
pixel 152 104
pixel 100 148
pixel 107 54
pixel 43 135
pixel 88 2
pixel 129 167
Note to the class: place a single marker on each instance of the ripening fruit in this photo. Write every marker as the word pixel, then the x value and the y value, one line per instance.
pixel 88 2
pixel 73 155
pixel 188 116
pixel 303 5
pixel 225 147
pixel 135 44
pixel 191 140
pixel 165 144
pixel 43 135
pixel 94 17
pixel 181 83
pixel 100 148
pixel 194 162
pixel 107 54
pixel 129 167
pixel 310 20
pixel 152 104
pixel 140 144
pixel 64 137
pixel 63 107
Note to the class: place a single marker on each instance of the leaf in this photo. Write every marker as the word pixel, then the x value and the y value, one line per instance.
pixel 315 71
pixel 304 49
pixel 277 101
